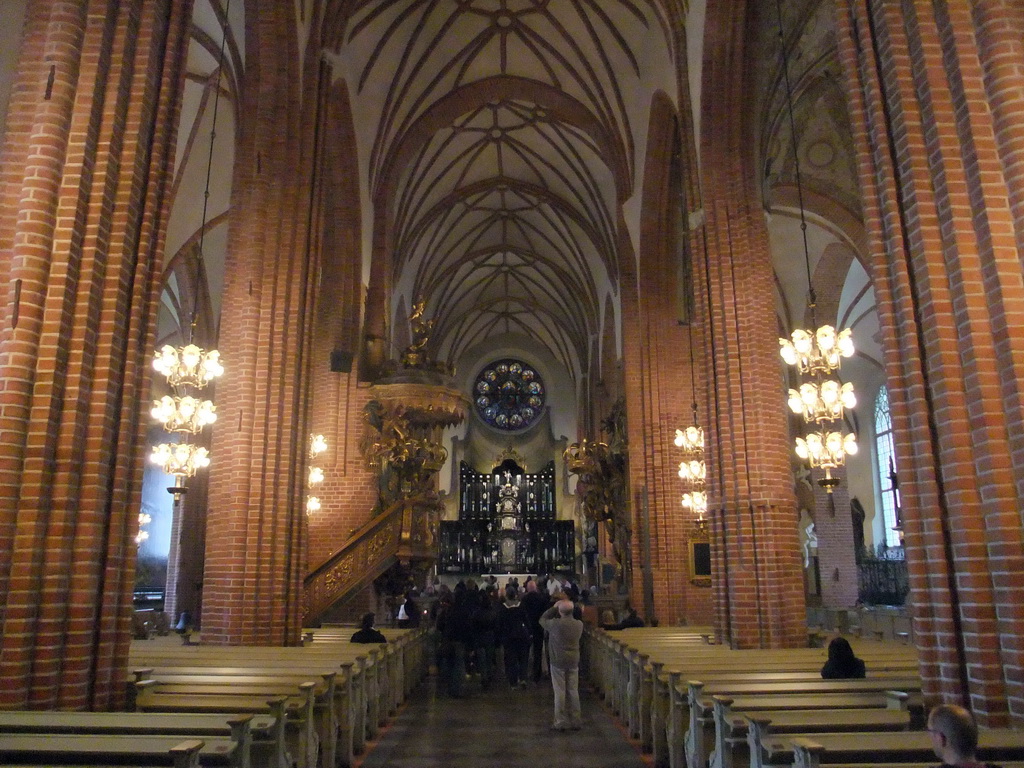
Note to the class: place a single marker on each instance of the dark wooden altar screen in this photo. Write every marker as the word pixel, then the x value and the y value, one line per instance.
pixel 477 541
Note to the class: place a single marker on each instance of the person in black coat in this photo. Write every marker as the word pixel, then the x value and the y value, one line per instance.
pixel 409 613
pixel 842 663
pixel 514 628
pixel 367 634
pixel 454 624
pixel 632 620
pixel 485 635
pixel 535 603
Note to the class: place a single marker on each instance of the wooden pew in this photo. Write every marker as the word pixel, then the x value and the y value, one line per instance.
pixel 340 707
pixel 371 684
pixel 759 727
pixel 270 750
pixel 816 750
pixel 822 694
pixel 638 672
pixel 216 680
pixel 301 734
pixel 402 663
pixel 72 749
pixel 240 729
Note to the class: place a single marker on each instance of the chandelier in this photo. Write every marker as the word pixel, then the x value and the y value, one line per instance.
pixel 315 476
pixel 692 469
pixel 822 398
pixel 143 534
pixel 188 368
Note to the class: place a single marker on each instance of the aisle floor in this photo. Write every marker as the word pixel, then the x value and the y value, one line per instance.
pixel 500 728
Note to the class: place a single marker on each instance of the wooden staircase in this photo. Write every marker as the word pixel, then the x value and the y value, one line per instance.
pixel 404 532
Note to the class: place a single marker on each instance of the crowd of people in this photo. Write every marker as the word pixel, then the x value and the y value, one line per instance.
pixel 519 634
pixel 479 624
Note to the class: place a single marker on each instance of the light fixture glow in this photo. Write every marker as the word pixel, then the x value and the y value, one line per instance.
pixel 316 476
pixel 692 470
pixel 821 398
pixel 188 366
pixel 696 501
pixel 690 439
pixel 180 459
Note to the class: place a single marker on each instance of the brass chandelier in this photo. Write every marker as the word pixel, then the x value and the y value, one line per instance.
pixel 188 368
pixel 317 445
pixel 692 469
pixel 822 398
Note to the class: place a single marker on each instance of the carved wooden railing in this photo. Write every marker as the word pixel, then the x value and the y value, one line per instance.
pixel 404 531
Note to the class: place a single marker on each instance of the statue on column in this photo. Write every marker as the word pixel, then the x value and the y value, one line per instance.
pixel 601 486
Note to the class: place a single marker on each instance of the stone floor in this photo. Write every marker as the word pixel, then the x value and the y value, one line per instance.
pixel 500 728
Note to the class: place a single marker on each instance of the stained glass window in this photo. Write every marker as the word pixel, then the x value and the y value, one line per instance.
pixel 886 452
pixel 509 394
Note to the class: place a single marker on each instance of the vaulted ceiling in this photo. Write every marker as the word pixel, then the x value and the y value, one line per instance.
pixel 501 148
pixel 499 141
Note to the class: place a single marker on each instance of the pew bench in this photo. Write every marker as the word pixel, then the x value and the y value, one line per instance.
pixel 707 723
pixel 927 764
pixel 349 707
pixel 240 729
pixel 641 674
pixel 755 729
pixel 323 715
pixel 70 749
pixel 390 670
pixel 814 750
pixel 270 750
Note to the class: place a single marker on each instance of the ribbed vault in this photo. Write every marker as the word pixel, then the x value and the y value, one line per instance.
pixel 498 142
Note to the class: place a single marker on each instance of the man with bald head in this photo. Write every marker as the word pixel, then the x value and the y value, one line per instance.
pixel 954 737
pixel 564 634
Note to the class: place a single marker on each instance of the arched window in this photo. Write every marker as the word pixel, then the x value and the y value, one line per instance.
pixel 885 450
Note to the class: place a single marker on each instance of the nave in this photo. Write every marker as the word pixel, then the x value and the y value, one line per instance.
pixel 510 728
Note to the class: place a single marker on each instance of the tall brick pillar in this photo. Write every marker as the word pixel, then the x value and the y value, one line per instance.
pixel 256 535
pixel 833 526
pixel 656 343
pixel 756 566
pixel 86 168
pixel 932 88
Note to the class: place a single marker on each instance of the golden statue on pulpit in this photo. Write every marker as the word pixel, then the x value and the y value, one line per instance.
pixel 415 355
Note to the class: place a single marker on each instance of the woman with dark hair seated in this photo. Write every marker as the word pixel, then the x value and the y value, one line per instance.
pixel 842 663
pixel 368 634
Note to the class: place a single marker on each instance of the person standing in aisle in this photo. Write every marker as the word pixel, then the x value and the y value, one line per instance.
pixel 564 634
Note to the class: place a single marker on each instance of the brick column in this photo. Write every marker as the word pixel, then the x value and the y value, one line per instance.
pixel 833 526
pixel 658 382
pixel 86 169
pixel 256 525
pixel 757 569
pixel 939 211
pixel 1001 49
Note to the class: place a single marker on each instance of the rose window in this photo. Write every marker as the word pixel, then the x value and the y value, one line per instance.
pixel 509 395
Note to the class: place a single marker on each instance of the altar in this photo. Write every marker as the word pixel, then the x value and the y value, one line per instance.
pixel 506 524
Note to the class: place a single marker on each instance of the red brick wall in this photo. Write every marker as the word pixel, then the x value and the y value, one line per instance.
pixel 349 491
pixel 256 526
pixel 83 212
pixel 757 571
pixel 658 391
pixel 930 100
pixel 833 526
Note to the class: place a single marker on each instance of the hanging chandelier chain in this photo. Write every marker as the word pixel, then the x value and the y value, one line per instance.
pixel 811 297
pixel 189 368
pixel 822 399
pixel 693 380
pixel 209 171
